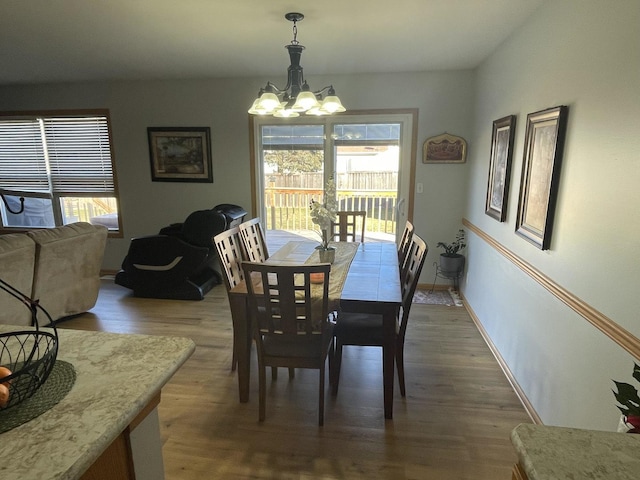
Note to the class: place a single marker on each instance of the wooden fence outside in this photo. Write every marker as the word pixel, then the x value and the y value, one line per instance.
pixel 288 197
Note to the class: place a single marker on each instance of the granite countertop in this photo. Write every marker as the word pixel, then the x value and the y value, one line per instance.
pixel 117 376
pixel 556 453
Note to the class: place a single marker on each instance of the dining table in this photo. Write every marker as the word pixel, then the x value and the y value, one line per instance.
pixel 366 280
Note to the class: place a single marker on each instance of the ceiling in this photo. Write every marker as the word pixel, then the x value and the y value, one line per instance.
pixel 78 40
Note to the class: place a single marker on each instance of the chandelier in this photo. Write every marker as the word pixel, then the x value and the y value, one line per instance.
pixel 296 97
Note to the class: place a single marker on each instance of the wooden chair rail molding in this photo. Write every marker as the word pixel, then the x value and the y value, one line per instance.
pixel 615 332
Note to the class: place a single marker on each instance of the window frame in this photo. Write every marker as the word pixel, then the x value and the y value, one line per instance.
pixel 56 196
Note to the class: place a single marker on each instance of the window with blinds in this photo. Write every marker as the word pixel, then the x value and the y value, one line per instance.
pixel 63 168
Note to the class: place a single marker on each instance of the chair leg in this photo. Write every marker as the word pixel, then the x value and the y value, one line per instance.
pixel 400 366
pixel 274 373
pixel 321 393
pixel 234 361
pixel 337 360
pixel 262 394
pixel 292 373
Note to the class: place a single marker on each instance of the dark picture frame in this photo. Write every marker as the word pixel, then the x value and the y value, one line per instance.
pixel 180 154
pixel 500 167
pixel 543 149
pixel 444 148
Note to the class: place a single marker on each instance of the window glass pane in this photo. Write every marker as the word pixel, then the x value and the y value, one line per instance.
pixel 96 210
pixel 366 133
pixel 288 136
pixel 64 157
pixel 38 212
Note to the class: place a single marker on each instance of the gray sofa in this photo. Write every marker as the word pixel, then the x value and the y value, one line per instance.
pixel 60 267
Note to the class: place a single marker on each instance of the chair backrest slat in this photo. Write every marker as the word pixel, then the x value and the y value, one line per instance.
pixel 418 250
pixel 254 241
pixel 345 229
pixel 283 304
pixel 405 242
pixel 230 254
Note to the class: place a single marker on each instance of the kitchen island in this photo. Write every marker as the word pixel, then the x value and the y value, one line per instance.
pixel 106 426
pixel 557 453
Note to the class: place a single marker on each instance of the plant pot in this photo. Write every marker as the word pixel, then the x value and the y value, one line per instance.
pixel 451 265
pixel 327 255
pixel 629 424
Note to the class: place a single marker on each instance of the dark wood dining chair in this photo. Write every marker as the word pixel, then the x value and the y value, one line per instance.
pixel 405 242
pixel 347 226
pixel 366 329
pixel 230 254
pixel 254 241
pixel 291 327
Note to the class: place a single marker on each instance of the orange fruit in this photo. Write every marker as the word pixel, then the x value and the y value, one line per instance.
pixel 4 395
pixel 5 372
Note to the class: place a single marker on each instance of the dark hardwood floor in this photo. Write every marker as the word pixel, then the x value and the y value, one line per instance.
pixel 453 424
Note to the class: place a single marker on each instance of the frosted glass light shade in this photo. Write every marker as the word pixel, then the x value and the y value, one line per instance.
pixel 254 110
pixel 332 104
pixel 268 102
pixel 285 113
pixel 305 101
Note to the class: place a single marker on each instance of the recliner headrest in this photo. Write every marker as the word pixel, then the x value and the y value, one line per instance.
pixel 202 225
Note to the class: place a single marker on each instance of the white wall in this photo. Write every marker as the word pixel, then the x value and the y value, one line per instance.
pixel 586 55
pixel 444 100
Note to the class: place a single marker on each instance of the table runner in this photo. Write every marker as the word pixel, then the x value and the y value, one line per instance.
pixel 345 252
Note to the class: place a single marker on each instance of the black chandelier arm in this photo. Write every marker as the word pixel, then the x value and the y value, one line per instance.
pixel 328 89
pixel 272 88
pixel 6 204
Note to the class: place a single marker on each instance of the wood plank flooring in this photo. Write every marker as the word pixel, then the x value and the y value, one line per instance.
pixel 454 423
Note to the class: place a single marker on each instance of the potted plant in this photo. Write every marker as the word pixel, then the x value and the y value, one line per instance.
pixel 323 214
pixel 452 262
pixel 629 400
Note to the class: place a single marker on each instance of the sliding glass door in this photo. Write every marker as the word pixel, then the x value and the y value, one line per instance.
pixel 368 156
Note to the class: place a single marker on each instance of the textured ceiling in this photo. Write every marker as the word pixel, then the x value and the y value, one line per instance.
pixel 77 40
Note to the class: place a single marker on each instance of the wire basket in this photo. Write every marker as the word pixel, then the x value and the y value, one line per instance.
pixel 29 354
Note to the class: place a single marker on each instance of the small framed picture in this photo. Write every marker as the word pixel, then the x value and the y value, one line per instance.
pixel 544 144
pixel 500 167
pixel 180 154
pixel 444 148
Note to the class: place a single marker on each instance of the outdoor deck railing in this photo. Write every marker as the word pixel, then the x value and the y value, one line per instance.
pixel 288 208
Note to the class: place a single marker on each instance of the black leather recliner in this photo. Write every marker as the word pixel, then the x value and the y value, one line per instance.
pixel 181 261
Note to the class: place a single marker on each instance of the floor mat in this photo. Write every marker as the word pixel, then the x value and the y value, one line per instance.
pixel 437 297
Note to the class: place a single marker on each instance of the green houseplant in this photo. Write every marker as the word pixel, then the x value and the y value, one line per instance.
pixel 452 262
pixel 629 400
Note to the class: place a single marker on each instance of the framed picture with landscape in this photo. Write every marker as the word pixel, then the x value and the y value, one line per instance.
pixel 180 154
pixel 500 167
pixel 544 144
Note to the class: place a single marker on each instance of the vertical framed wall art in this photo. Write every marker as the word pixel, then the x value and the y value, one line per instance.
pixel 500 167
pixel 544 145
pixel 180 154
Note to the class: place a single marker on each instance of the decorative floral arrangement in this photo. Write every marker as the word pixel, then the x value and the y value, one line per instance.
pixel 322 214
pixel 454 247
pixel 629 400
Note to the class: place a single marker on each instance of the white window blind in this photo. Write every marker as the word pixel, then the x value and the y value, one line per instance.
pixel 64 155
pixel 22 161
